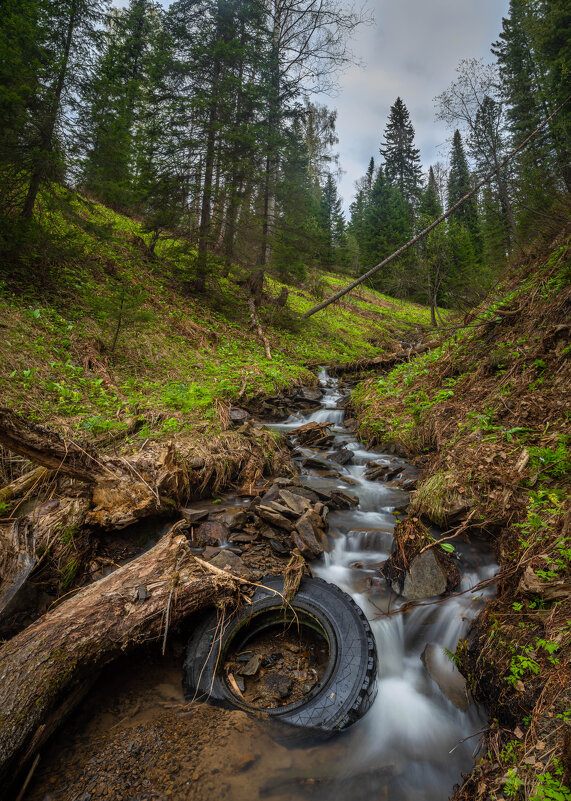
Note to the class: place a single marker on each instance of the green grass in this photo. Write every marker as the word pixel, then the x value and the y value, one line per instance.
pixel 178 356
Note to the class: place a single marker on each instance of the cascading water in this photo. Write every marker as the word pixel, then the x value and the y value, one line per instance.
pixel 412 745
pixel 413 729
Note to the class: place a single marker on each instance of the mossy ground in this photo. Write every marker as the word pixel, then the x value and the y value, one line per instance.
pixel 487 416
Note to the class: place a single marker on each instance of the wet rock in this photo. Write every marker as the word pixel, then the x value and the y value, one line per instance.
pixel 408 478
pixel 311 463
pixel 194 515
pixel 305 492
pixel 213 532
pixel 296 503
pixel 341 500
pixel 343 456
pixel 425 578
pixel 233 517
pixel 238 415
pixel 274 518
pixel 313 395
pixel 309 535
pixel 445 673
pixel 225 559
pixel 314 435
pixel 382 471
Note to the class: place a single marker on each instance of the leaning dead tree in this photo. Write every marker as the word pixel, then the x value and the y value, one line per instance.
pixel 433 225
pixel 47 668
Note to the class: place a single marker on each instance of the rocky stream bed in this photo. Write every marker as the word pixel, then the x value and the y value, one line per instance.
pixel 136 738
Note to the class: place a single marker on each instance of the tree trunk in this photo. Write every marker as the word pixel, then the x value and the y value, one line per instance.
pixel 45 447
pixel 38 532
pixel 21 485
pixel 136 604
pixel 47 130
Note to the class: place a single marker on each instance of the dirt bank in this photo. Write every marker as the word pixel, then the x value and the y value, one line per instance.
pixel 486 416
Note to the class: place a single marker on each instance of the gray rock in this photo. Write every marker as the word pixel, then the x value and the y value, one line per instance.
pixel 343 456
pixel 194 515
pixel 234 517
pixel 213 532
pixel 425 578
pixel 226 560
pixel 445 673
pixel 238 415
pixel 274 518
pixel 307 535
pixel 296 503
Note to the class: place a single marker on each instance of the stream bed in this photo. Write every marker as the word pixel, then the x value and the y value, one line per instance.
pixel 130 740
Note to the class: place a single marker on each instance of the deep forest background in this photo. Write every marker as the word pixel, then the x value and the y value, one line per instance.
pixel 198 121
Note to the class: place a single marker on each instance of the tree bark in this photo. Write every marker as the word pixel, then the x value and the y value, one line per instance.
pixel 45 663
pixel 45 447
pixel 24 538
pixel 21 485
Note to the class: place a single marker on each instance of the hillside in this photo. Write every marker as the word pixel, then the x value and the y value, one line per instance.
pixel 98 330
pixel 486 415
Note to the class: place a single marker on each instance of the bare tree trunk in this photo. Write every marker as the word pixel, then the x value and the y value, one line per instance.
pixel 51 658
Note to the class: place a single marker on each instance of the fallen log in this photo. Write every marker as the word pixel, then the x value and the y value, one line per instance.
pixel 381 363
pixel 43 529
pixel 21 485
pixel 46 448
pixel 164 476
pixel 43 666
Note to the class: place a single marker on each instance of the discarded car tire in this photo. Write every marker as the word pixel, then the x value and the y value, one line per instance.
pixel 348 686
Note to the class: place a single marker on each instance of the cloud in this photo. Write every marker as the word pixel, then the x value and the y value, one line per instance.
pixel 412 52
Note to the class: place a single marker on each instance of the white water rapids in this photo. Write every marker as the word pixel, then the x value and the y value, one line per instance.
pixel 413 730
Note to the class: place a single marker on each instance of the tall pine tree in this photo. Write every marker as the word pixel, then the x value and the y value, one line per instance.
pixel 402 158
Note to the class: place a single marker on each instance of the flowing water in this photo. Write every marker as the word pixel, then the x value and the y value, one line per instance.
pixel 413 745
pixel 412 728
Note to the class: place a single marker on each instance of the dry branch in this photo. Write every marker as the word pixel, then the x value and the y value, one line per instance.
pixel 21 485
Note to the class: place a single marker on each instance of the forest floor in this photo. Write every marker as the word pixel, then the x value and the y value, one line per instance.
pixel 486 416
pixel 180 358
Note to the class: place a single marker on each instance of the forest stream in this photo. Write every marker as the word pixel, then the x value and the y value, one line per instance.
pixel 413 745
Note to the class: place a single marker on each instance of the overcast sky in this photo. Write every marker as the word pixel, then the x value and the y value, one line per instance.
pixel 411 52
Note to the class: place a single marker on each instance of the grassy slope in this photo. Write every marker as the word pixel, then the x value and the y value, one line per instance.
pixel 487 414
pixel 189 358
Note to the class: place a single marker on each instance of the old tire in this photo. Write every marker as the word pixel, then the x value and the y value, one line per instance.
pixel 347 688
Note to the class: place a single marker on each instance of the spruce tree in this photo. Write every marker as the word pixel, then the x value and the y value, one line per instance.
pixel 459 184
pixel 402 159
pixel 70 31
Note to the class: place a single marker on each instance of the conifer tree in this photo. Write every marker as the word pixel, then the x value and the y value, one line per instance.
pixel 402 159
pixel 331 223
pixel 459 184
pixel 69 32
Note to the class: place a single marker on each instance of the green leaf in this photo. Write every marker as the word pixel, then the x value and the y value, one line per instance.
pixel 447 547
